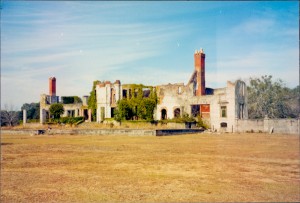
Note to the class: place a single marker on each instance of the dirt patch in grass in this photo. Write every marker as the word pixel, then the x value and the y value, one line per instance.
pixel 185 168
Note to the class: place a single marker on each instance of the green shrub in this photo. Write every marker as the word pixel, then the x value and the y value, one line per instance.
pixel 201 123
pixel 182 119
pixel 56 110
pixel 71 120
pixel 78 122
pixel 33 120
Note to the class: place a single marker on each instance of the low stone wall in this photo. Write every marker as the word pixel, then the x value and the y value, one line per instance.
pixel 249 125
pixel 129 132
pixel 135 132
pixel 286 126
pixel 33 125
pixel 177 131
pixel 19 132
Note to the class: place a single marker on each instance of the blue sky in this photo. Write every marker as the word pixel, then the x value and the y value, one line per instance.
pixel 142 42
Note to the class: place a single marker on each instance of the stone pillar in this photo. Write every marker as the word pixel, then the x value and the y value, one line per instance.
pixel 266 124
pixel 90 115
pixel 181 111
pixel 236 124
pixel 24 117
pixel 42 116
pixel 76 113
pixel 298 123
pixel 98 114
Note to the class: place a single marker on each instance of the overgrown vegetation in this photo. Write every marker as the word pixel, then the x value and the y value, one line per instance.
pixel 272 99
pixel 185 118
pixel 92 101
pixel 180 119
pixel 56 110
pixel 9 116
pixel 71 120
pixel 136 106
pixel 202 123
pixel 71 100
pixel 32 110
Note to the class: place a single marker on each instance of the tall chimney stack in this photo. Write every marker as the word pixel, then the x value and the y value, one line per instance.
pixel 199 58
pixel 52 86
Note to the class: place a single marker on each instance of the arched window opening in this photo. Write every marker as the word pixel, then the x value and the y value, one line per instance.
pixel 163 114
pixel 177 113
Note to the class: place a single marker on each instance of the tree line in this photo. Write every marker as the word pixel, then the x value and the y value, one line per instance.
pixel 273 99
pixel 10 117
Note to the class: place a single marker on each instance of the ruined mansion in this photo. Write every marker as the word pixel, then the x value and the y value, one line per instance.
pixel 220 107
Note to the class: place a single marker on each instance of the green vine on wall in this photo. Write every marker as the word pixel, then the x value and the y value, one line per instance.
pixel 136 106
pixel 92 101
pixel 71 100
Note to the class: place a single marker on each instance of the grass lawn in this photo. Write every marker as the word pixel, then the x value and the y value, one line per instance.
pixel 183 168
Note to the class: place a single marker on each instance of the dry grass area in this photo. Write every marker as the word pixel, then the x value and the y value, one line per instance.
pixel 185 168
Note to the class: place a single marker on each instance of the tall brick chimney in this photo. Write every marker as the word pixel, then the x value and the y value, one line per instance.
pixel 199 58
pixel 52 86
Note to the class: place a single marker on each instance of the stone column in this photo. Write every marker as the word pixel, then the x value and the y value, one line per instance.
pixel 76 114
pixel 42 116
pixel 24 117
pixel 266 124
pixel 90 115
pixel 236 124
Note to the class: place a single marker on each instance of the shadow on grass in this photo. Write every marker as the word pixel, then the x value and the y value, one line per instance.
pixel 6 144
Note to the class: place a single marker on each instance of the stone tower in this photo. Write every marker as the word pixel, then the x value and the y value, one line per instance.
pixel 199 58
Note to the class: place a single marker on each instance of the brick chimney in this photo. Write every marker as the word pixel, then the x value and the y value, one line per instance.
pixel 52 86
pixel 199 58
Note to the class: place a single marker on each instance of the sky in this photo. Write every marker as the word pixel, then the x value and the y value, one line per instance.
pixel 150 43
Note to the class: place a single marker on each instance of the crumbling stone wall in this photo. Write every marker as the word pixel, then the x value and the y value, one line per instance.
pixel 286 126
pixel 108 94
pixel 173 96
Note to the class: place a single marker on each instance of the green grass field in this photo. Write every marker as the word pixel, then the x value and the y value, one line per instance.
pixel 185 168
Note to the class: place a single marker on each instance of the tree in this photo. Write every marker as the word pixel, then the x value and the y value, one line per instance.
pixel 32 110
pixel 294 101
pixel 92 101
pixel 9 117
pixel 56 110
pixel 124 110
pixel 146 108
pixel 268 98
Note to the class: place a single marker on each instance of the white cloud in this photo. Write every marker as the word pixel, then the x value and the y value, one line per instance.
pixel 254 26
pixel 42 51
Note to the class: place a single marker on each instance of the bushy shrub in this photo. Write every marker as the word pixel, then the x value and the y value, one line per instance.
pixel 182 119
pixel 72 120
pixel 201 123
